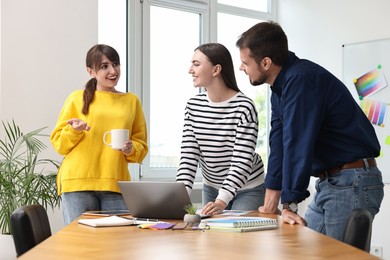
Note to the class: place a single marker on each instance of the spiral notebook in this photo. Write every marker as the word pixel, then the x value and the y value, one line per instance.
pixel 241 223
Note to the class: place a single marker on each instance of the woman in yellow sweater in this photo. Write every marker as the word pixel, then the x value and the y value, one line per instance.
pixel 87 179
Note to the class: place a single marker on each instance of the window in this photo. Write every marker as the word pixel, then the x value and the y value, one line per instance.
pixel 229 29
pixel 170 85
pixel 167 84
pixel 256 5
pixel 170 31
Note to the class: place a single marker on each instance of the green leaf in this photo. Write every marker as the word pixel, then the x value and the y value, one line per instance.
pixel 190 208
pixel 24 177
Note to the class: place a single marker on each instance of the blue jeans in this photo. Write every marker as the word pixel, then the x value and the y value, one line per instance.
pixel 250 199
pixel 76 203
pixel 338 195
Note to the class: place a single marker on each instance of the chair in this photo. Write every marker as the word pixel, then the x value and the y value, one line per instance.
pixel 30 226
pixel 358 230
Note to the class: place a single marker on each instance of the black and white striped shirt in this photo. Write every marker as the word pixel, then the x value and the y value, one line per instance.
pixel 221 139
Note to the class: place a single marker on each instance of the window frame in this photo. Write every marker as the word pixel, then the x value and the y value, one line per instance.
pixel 139 48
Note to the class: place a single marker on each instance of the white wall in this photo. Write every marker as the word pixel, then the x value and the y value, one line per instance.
pixel 317 30
pixel 43 48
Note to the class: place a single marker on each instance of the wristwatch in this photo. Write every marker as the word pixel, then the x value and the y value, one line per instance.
pixel 291 206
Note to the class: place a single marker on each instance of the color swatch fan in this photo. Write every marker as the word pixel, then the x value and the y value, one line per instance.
pixel 370 83
pixel 375 111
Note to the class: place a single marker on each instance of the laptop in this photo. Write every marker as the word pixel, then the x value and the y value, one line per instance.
pixel 156 200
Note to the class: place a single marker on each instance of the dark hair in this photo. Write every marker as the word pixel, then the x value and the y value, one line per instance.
pixel 94 61
pixel 219 54
pixel 265 39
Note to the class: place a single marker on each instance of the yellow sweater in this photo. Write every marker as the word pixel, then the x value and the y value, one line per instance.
pixel 88 163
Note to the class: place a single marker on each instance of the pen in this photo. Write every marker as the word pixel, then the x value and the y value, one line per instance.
pixel 145 219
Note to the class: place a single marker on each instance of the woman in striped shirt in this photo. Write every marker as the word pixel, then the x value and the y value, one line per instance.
pixel 219 135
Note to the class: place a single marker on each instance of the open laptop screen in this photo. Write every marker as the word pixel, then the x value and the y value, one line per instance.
pixel 158 200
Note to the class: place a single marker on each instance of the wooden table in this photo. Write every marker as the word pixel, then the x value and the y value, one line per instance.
pixel 77 241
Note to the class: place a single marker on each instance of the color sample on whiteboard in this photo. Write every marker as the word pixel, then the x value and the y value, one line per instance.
pixel 375 111
pixel 387 140
pixel 370 83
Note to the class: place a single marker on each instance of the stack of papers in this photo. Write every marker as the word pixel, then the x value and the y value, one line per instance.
pixel 115 221
pixel 112 221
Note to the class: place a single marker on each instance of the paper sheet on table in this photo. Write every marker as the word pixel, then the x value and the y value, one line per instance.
pixel 112 221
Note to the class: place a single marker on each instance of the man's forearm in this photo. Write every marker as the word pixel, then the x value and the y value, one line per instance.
pixel 271 202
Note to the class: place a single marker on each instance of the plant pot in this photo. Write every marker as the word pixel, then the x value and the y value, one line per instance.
pixel 192 218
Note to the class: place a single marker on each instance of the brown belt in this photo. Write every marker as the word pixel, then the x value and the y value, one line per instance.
pixel 356 164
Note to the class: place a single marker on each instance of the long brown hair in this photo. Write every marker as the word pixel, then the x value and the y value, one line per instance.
pixel 219 54
pixel 93 61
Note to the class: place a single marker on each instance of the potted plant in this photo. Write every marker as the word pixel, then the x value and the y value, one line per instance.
pixel 24 178
pixel 191 216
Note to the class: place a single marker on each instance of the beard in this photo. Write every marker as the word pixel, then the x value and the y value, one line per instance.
pixel 259 81
pixel 255 82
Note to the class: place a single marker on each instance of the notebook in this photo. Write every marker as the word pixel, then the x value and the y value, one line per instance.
pixel 240 229
pixel 111 221
pixel 115 221
pixel 158 200
pixel 241 222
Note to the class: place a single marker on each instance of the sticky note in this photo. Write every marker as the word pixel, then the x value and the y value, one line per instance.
pixel 387 140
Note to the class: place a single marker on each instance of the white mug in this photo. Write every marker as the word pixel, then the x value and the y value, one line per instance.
pixel 118 138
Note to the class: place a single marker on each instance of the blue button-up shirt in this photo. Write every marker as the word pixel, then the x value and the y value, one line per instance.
pixel 315 125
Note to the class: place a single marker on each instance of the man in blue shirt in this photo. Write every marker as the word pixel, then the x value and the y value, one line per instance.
pixel 317 129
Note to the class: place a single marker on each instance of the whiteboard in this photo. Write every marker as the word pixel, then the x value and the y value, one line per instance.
pixel 366 73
